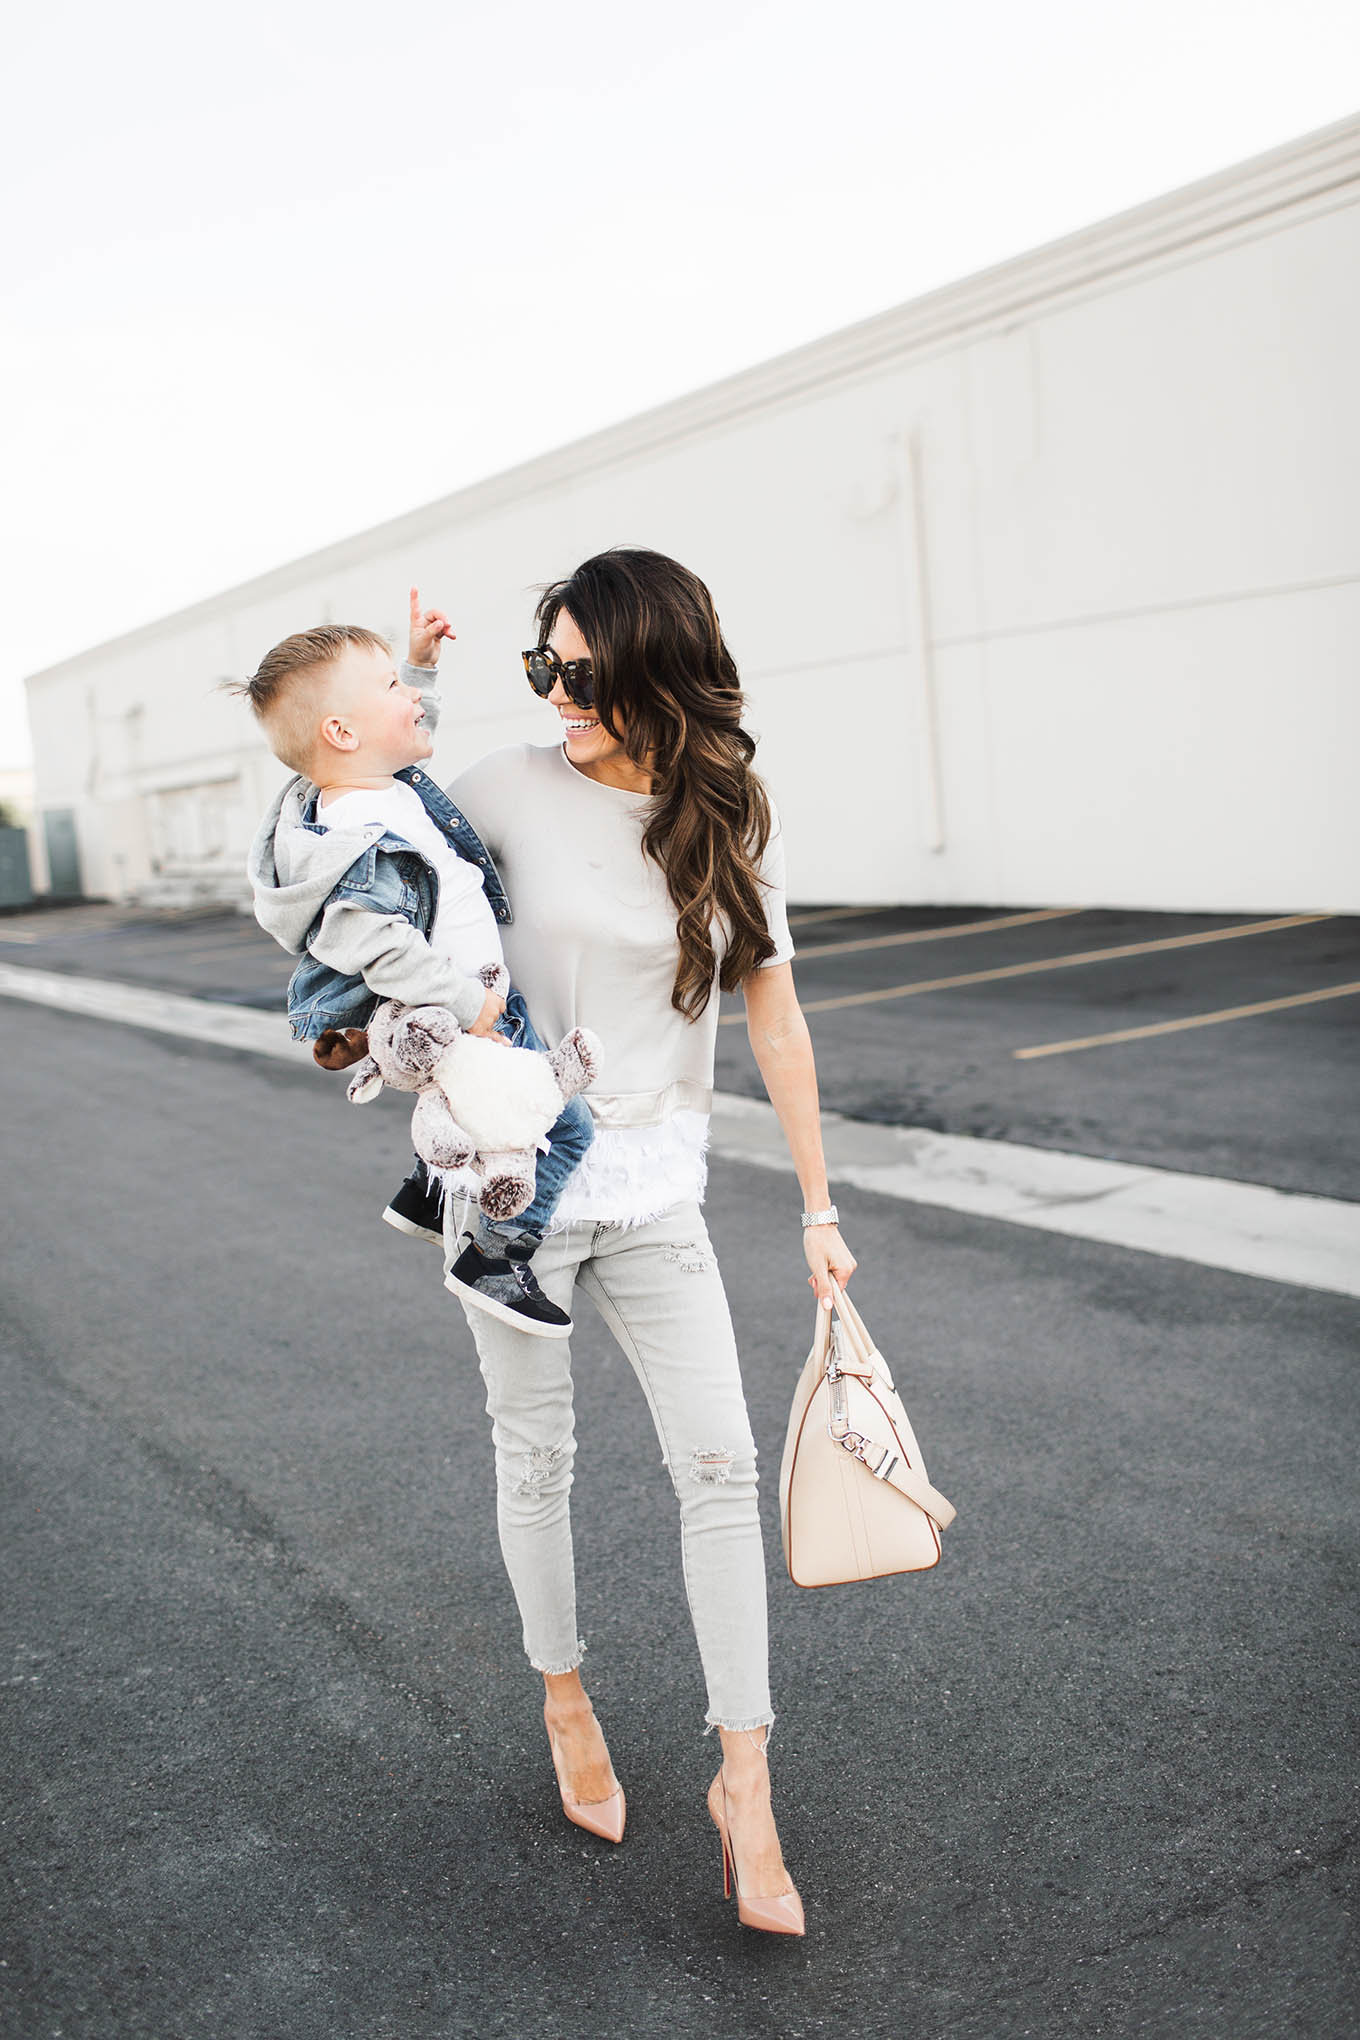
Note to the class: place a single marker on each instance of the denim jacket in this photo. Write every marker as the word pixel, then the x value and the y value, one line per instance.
pixel 357 906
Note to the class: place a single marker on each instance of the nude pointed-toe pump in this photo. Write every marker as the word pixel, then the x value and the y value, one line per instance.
pixel 602 1817
pixel 782 1915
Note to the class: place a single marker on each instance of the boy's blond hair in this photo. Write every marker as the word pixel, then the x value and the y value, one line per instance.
pixel 286 690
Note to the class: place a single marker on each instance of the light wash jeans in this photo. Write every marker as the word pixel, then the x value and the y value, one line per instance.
pixel 658 1289
pixel 568 1138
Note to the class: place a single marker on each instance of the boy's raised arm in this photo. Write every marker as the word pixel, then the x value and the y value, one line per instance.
pixel 429 628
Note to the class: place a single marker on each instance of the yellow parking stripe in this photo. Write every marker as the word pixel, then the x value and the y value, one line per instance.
pixel 997 921
pixel 1013 970
pixel 1195 1020
pixel 806 920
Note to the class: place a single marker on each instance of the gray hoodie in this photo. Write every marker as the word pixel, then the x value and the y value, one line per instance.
pixel 333 894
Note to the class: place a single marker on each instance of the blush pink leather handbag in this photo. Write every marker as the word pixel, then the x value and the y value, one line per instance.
pixel 854 1501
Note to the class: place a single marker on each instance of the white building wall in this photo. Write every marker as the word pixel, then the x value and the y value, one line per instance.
pixel 1045 589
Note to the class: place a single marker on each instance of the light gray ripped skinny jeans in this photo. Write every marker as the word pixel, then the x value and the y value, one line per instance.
pixel 658 1289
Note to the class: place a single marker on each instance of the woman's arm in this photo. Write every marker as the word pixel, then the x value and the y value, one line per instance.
pixel 782 1048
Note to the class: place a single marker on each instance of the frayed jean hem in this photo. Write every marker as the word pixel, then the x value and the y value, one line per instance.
pixel 739 1727
pixel 570 1664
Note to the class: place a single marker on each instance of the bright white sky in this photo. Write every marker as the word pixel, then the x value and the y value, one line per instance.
pixel 274 272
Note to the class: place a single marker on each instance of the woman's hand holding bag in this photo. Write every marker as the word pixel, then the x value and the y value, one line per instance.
pixel 854 1501
pixel 829 1259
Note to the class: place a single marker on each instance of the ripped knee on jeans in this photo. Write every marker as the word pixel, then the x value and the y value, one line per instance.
pixel 691 1257
pixel 710 1467
pixel 537 1467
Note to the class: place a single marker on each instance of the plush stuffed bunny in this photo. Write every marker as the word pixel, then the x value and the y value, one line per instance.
pixel 479 1103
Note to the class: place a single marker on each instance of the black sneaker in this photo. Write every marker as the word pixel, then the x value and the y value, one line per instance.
pixel 418 1209
pixel 505 1286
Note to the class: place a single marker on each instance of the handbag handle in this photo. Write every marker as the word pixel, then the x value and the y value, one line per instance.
pixel 854 1323
pixel 821 1338
pixel 849 1357
pixel 888 1465
pixel 856 1335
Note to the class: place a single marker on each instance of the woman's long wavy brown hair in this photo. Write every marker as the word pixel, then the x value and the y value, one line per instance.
pixel 666 687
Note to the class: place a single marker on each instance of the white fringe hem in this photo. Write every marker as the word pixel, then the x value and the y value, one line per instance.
pixel 630 1176
pixel 633 1175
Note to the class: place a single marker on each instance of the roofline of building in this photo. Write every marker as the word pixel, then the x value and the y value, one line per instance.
pixel 1318 172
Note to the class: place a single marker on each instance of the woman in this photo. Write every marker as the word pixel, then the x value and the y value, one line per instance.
pixel 646 869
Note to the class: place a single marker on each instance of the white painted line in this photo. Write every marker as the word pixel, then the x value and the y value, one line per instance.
pixel 1277 1235
pixel 163 1012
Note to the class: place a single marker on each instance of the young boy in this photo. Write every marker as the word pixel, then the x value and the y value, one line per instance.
pixel 364 868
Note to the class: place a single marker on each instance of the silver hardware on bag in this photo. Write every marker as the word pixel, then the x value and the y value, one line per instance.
pixel 838 1413
pixel 883 1459
pixel 887 1460
pixel 879 1460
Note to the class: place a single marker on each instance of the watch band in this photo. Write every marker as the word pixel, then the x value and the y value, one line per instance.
pixel 828 1217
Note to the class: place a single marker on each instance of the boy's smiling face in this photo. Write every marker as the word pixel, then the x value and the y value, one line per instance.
pixel 369 717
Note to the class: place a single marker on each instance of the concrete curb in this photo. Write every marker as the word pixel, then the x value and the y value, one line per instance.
pixel 1249 1228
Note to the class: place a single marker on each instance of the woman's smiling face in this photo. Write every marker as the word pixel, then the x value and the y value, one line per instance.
pixel 589 744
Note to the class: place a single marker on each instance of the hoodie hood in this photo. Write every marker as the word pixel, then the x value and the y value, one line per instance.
pixel 294 869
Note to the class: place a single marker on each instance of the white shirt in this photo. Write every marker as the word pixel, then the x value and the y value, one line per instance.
pixel 593 944
pixel 464 928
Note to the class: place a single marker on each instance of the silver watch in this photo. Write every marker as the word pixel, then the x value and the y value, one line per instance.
pixel 828 1217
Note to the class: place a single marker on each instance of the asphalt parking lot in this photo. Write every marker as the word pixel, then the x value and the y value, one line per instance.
pixel 274 1766
pixel 208 952
pixel 931 1016
pixel 935 1021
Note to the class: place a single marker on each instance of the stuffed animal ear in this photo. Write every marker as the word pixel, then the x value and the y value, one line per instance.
pixel 423 1035
pixel 337 1051
pixel 365 1083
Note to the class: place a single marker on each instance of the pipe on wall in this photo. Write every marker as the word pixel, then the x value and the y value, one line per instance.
pixel 908 464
